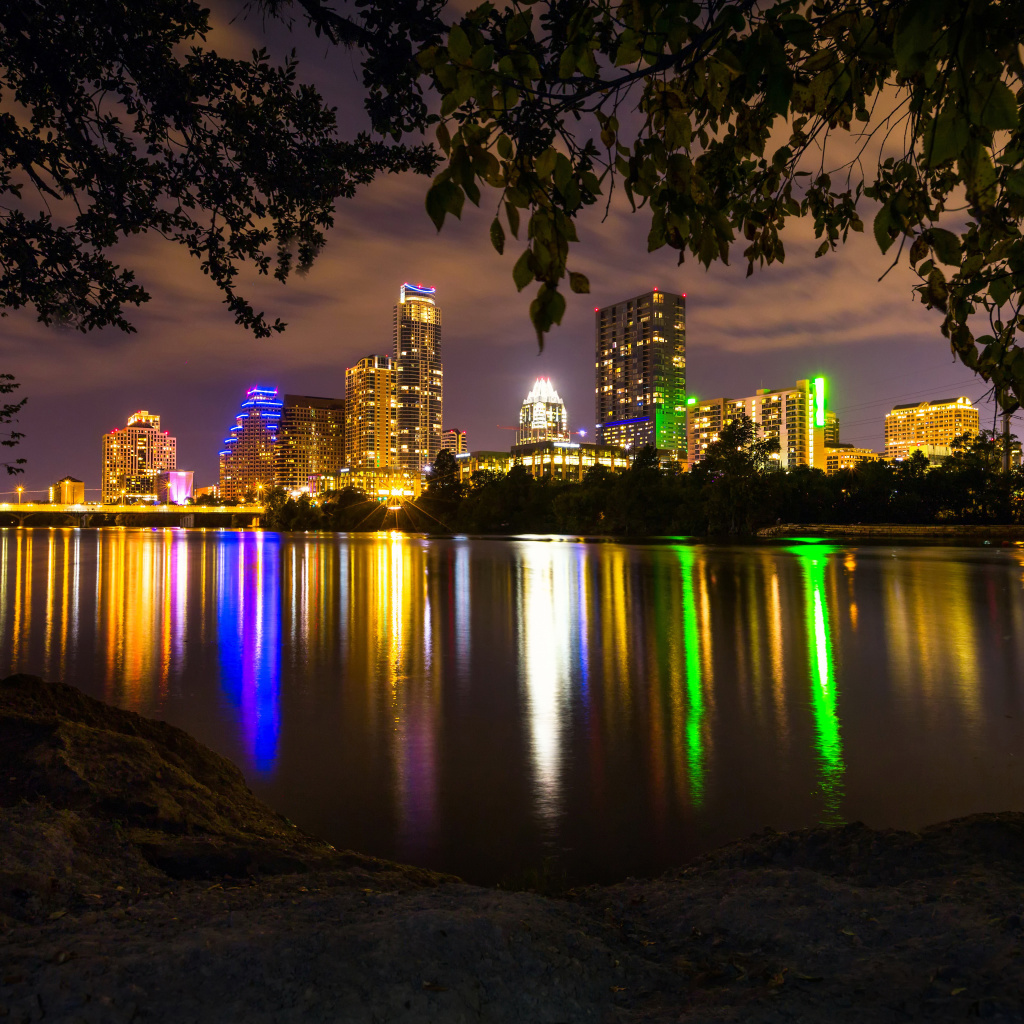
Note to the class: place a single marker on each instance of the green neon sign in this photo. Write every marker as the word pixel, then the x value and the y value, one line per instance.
pixel 819 401
pixel 691 401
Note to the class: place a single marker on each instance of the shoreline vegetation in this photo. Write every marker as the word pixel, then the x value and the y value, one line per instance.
pixel 140 879
pixel 736 491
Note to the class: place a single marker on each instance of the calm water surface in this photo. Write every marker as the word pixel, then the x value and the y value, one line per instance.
pixel 490 706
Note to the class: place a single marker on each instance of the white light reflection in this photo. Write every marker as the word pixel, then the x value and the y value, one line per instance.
pixel 544 638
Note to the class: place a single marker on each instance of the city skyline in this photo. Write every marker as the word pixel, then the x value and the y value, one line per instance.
pixel 830 317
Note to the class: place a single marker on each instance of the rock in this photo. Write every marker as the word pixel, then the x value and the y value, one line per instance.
pixel 93 797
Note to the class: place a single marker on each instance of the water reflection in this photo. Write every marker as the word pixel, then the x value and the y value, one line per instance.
pixel 476 705
pixel 814 563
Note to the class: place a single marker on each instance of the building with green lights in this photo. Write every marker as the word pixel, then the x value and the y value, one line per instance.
pixel 794 416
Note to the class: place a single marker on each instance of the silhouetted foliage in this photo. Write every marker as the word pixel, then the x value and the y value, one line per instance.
pixel 9 414
pixel 735 491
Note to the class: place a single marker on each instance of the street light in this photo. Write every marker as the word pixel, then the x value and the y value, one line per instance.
pixel 20 489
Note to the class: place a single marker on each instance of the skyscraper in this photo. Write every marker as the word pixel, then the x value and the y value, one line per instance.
pixel 419 378
pixel 370 414
pixel 928 423
pixel 542 416
pixel 133 455
pixel 310 440
pixel 641 372
pixel 247 459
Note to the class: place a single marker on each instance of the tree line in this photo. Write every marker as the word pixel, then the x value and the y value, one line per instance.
pixel 735 491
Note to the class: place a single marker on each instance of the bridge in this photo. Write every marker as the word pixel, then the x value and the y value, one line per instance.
pixel 96 514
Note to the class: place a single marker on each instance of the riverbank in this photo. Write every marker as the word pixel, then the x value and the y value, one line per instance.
pixel 141 880
pixel 894 531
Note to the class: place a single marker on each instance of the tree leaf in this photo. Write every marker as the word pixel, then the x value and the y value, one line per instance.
pixel 579 283
pixel 522 272
pixel 458 44
pixel 995 107
pixel 497 236
pixel 946 246
pixel 883 221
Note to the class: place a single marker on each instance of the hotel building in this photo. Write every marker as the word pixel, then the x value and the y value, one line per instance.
pixel 641 372
pixel 909 427
pixel 418 378
pixel 133 456
pixel 454 440
pixel 543 416
pixel 247 458
pixel 310 440
pixel 370 414
pixel 795 417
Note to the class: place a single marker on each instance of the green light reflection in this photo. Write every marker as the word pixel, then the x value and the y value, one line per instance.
pixel 813 564
pixel 694 687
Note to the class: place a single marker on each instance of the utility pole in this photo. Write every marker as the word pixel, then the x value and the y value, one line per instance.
pixel 1006 442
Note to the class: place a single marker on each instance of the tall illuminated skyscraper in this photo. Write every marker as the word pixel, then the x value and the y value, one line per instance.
pixel 542 416
pixel 641 372
pixel 419 378
pixel 370 414
pixel 247 459
pixel 134 455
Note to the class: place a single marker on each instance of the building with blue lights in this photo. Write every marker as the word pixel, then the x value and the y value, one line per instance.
pixel 247 458
pixel 640 393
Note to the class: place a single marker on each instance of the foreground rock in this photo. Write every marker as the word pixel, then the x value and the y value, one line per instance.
pixel 848 924
pixel 93 798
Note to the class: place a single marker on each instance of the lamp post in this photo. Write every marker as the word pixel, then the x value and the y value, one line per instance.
pixel 20 489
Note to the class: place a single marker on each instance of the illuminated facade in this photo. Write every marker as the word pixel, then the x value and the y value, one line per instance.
pixel 419 378
pixel 370 414
pixel 795 417
pixel 470 463
pixel 67 491
pixel 641 372
pixel 831 430
pixel 174 486
pixel 310 440
pixel 567 461
pixel 704 423
pixel 132 457
pixel 846 456
pixel 928 423
pixel 247 458
pixel 543 416
pixel 454 440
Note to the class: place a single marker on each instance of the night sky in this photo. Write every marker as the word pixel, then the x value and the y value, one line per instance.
pixel 191 364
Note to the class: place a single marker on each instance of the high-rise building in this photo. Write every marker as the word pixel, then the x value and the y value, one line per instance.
pixel 641 372
pixel 310 440
pixel 132 457
pixel 454 440
pixel 370 414
pixel 928 423
pixel 543 416
pixel 247 458
pixel 419 378
pixel 795 417
pixel 704 423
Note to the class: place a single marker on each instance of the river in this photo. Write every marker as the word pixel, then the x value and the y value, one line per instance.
pixel 547 708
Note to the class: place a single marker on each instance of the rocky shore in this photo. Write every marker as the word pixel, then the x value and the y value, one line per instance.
pixel 140 880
